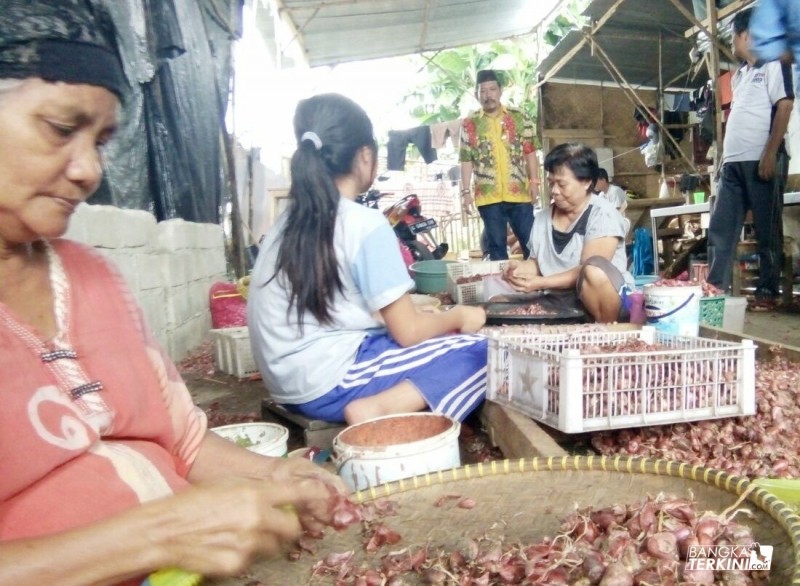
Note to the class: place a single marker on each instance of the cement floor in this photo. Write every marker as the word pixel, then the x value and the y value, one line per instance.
pixel 780 327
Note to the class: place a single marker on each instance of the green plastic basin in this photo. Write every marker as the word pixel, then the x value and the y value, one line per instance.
pixel 430 275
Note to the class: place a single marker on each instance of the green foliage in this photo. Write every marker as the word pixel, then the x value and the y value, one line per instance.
pixel 447 78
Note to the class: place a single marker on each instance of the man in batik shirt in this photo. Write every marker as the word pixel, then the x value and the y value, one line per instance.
pixel 498 158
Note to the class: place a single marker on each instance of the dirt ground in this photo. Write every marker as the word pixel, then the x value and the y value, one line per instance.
pixel 227 399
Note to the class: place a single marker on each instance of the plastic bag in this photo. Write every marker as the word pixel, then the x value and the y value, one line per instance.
pixel 228 306
pixel 643 259
pixel 653 152
pixel 494 284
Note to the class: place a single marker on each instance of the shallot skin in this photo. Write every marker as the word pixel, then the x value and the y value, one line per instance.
pixel 639 544
pixel 617 575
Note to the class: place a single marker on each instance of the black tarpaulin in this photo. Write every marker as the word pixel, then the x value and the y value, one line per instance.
pixel 167 157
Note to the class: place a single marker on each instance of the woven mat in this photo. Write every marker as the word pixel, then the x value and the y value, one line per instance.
pixel 526 499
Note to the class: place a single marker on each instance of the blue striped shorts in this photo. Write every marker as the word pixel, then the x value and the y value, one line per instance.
pixel 449 372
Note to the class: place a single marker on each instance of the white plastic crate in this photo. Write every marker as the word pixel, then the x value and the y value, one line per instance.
pixel 470 292
pixel 232 351
pixel 572 382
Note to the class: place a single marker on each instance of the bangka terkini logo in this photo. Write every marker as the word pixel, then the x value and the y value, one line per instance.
pixel 729 557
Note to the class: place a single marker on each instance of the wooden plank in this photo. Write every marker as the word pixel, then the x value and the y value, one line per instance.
pixel 516 434
pixel 710 29
pixel 270 406
pixel 575 132
pixel 316 433
pixel 322 438
pixel 579 45
pixel 636 99
pixel 721 13
pixel 654 202
pixel 765 349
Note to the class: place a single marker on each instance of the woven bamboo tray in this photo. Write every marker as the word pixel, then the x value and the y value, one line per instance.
pixel 531 496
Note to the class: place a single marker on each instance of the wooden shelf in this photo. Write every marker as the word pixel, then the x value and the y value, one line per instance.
pixel 635 173
pixel 654 202
pixel 575 133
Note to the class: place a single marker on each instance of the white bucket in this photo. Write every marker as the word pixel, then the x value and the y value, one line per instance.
pixel 673 310
pixel 733 318
pixel 267 439
pixel 389 448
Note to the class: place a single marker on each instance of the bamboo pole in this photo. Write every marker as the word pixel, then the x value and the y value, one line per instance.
pixel 635 98
pixel 574 51
pixel 710 31
pixel 711 11
pixel 734 6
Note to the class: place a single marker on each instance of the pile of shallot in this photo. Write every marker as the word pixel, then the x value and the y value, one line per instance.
pixel 643 544
pixel 676 379
pixel 476 278
pixel 761 445
pixel 709 290
pixel 531 309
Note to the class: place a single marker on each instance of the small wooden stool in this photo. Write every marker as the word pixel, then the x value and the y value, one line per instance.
pixel 315 432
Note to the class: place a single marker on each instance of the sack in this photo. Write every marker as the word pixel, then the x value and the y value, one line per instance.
pixel 228 306
pixel 643 260
pixel 653 152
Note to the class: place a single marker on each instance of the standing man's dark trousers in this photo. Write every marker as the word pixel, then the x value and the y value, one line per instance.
pixel 496 219
pixel 742 189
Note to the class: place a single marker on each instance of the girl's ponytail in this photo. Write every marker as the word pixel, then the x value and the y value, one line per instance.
pixel 330 130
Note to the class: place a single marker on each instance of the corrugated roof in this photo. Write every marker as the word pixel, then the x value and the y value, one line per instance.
pixel 630 38
pixel 337 31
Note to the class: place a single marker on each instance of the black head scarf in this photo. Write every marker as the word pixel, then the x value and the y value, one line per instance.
pixel 59 40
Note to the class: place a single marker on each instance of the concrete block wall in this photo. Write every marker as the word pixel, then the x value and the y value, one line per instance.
pixel 169 266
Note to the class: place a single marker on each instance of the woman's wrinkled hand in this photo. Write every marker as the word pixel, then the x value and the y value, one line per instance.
pixel 314 514
pixel 220 528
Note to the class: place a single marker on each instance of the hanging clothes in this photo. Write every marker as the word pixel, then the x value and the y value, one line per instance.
pixel 399 140
pixel 441 130
pixel 644 118
pixel 677 101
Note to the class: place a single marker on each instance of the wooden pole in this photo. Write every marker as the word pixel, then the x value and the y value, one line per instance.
pixel 297 33
pixel 660 80
pixel 635 98
pixel 574 51
pixel 661 112
pixel 711 11
pixel 726 10
pixel 710 31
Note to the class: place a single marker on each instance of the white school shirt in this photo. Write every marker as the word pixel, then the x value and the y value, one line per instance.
pixel 298 369
pixel 756 90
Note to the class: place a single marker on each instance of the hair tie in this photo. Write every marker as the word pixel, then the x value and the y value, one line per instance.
pixel 313 137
